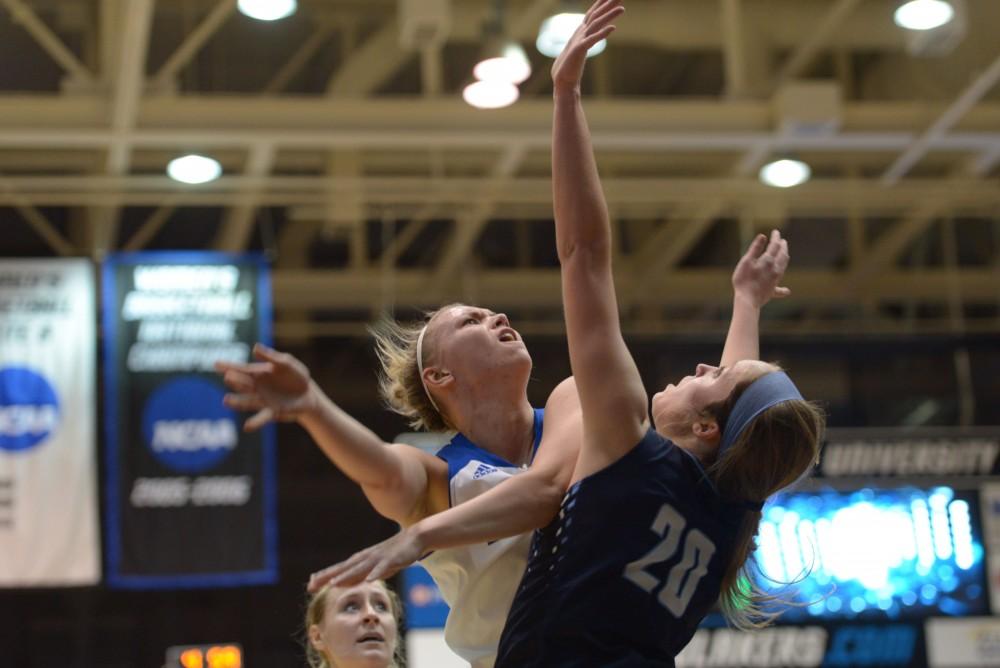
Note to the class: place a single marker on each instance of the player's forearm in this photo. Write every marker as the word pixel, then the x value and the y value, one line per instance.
pixel 581 212
pixel 520 504
pixel 743 339
pixel 353 448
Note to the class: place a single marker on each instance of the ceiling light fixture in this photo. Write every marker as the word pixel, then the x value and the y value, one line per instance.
pixel 503 61
pixel 924 14
pixel 785 173
pixel 194 169
pixel 491 94
pixel 267 10
pixel 556 31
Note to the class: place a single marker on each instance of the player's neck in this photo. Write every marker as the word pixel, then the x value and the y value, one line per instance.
pixel 695 447
pixel 503 428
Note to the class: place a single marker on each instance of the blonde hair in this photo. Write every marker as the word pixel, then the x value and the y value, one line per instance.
pixel 316 612
pixel 777 449
pixel 400 384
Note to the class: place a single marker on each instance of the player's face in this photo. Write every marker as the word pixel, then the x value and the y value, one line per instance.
pixel 473 342
pixel 358 628
pixel 678 406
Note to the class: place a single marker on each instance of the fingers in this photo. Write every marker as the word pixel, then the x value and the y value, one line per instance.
pixel 782 292
pixel 781 263
pixel 319 579
pixel 381 571
pixel 243 402
pixel 259 419
pixel 591 40
pixel 262 352
pixel 598 7
pixel 756 247
pixel 238 381
pixel 774 245
pixel 599 23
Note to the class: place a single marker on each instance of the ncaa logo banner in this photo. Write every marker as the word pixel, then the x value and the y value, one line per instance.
pixel 190 497
pixel 48 463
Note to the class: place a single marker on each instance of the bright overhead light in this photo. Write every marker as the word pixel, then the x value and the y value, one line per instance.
pixel 556 31
pixel 490 94
pixel 507 63
pixel 267 10
pixel 785 173
pixel 924 14
pixel 194 169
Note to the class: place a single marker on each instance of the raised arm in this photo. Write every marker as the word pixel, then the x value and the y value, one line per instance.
pixel 521 503
pixel 401 482
pixel 612 396
pixel 755 283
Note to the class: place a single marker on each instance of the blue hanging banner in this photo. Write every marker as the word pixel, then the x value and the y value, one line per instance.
pixel 190 497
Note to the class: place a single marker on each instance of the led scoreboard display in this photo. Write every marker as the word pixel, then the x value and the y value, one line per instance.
pixel 874 553
pixel 229 655
pixel 888 556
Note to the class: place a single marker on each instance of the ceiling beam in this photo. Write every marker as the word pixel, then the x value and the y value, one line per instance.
pixel 325 289
pixel 470 225
pixel 237 225
pixel 189 48
pixel 805 53
pixel 305 52
pixel 370 64
pixel 640 125
pixel 627 195
pixel 21 13
pixel 966 101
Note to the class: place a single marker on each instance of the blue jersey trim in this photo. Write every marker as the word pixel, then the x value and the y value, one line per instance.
pixel 460 451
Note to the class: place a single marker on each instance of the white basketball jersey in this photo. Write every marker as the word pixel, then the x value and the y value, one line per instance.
pixel 478 581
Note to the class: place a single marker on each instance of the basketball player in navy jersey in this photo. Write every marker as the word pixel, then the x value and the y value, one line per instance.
pixel 658 523
pixel 659 520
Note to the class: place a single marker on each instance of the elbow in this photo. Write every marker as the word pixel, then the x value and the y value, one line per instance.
pixel 584 252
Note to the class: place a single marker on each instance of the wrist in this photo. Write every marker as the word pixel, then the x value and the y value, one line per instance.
pixel 745 301
pixel 420 535
pixel 566 92
pixel 312 402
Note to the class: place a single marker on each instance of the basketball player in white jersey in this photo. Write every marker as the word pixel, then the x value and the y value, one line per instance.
pixel 465 370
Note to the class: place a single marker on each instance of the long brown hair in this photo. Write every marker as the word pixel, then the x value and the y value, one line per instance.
pixel 778 448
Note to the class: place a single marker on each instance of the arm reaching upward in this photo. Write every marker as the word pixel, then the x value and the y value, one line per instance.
pixel 402 483
pixel 755 282
pixel 612 397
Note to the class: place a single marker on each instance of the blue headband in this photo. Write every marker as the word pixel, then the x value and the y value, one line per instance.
pixel 768 390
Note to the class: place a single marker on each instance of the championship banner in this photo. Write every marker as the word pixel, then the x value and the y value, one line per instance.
pixel 48 462
pixel 190 496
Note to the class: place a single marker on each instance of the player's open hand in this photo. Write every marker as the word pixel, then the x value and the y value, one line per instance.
pixel 375 563
pixel 567 71
pixel 760 270
pixel 276 386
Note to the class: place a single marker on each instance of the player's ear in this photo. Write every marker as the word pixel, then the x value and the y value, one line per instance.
pixel 707 430
pixel 315 639
pixel 437 377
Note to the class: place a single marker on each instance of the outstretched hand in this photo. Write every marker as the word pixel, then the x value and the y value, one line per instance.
pixel 375 563
pixel 567 71
pixel 761 269
pixel 277 387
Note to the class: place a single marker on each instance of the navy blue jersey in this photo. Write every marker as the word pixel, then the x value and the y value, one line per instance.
pixel 625 573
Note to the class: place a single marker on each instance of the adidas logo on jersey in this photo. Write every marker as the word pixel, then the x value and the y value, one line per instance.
pixel 482 471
